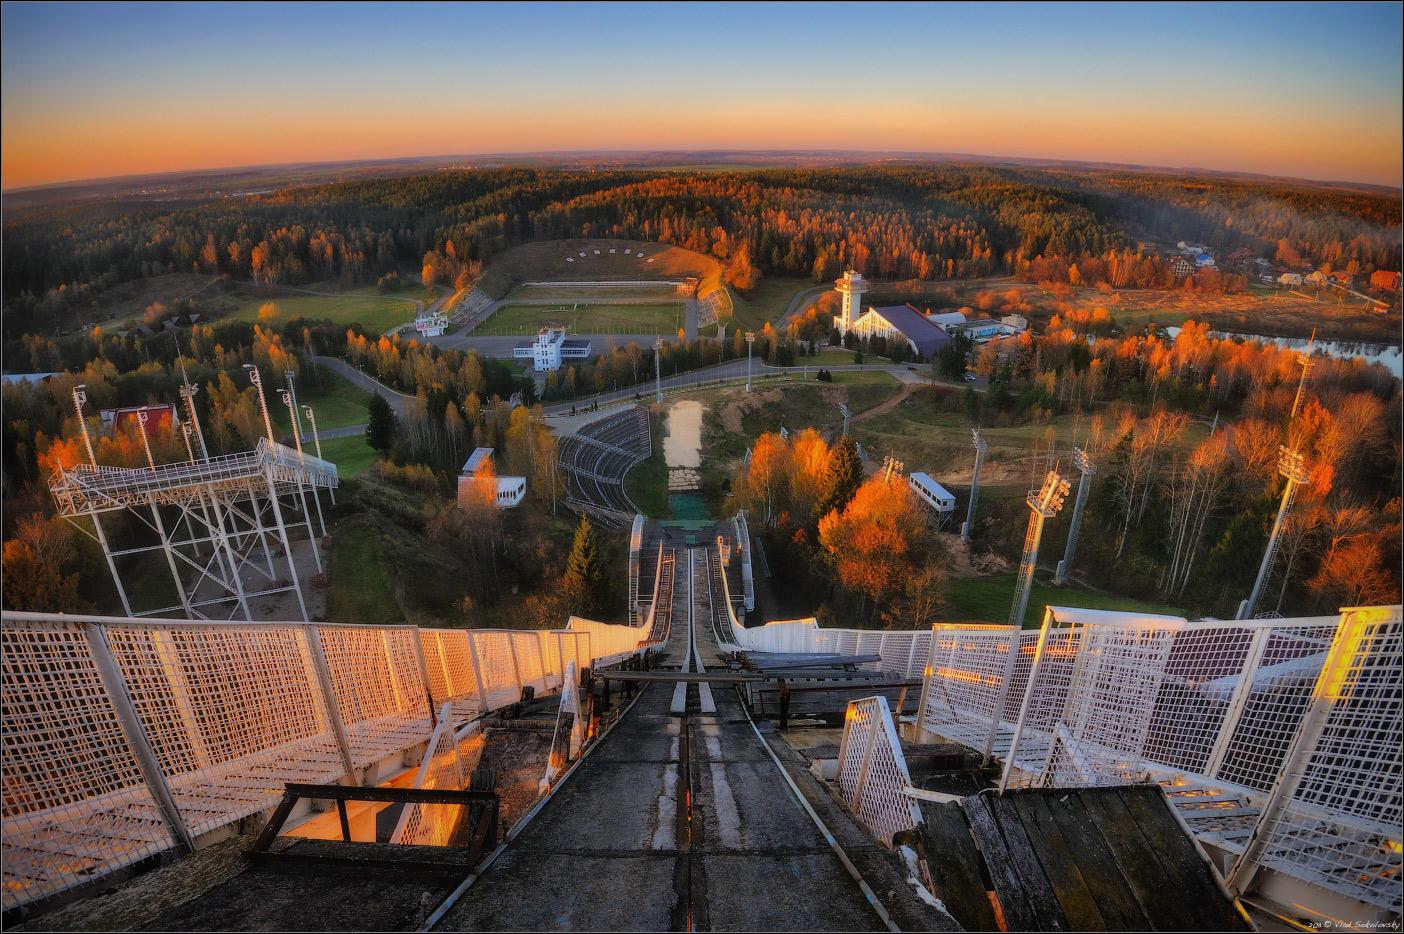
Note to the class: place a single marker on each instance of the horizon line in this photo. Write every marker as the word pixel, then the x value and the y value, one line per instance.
pixel 916 155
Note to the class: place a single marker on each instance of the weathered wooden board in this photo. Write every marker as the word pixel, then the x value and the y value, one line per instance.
pixel 1116 900
pixel 1164 906
pixel 954 862
pixel 1013 900
pixel 1060 864
pixel 1186 870
pixel 1047 909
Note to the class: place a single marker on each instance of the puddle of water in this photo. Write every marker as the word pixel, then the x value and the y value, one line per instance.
pixel 682 446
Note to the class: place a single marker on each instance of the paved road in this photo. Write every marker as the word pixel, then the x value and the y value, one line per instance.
pixel 398 400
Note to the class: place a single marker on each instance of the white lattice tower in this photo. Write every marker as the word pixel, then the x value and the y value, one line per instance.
pixel 233 516
pixel 980 447
pixel 1088 470
pixel 1044 504
pixel 1290 465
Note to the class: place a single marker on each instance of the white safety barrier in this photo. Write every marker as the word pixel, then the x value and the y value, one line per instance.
pixel 126 738
pixel 433 824
pixel 1295 724
pixel 610 641
pixel 569 734
pixel 872 772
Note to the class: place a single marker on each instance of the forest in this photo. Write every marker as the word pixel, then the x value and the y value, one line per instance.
pixel 913 221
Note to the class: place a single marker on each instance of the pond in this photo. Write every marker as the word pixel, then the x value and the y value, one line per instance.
pixel 1386 355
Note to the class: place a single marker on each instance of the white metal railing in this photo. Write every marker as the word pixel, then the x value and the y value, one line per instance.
pixel 1297 720
pixel 125 738
pixel 609 641
pixel 872 773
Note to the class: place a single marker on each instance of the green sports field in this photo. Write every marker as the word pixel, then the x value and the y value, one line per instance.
pixel 663 318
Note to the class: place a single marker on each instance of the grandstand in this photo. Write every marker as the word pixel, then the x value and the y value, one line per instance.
pixel 470 310
pixel 595 460
pixel 710 307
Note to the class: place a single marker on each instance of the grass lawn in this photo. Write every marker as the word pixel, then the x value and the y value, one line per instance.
pixel 560 261
pixel 352 456
pixel 334 400
pixel 376 313
pixel 767 301
pixel 586 292
pixel 357 588
pixel 582 318
pixel 1159 315
pixel 647 483
pixel 989 599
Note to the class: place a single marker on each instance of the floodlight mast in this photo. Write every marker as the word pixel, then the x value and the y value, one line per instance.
pixel 750 344
pixel 658 367
pixel 1088 470
pixel 1044 504
pixel 79 397
pixel 969 525
pixel 843 410
pixel 262 402
pixel 145 441
pixel 1291 466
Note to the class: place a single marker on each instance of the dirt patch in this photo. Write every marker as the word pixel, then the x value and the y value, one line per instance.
pixel 962 562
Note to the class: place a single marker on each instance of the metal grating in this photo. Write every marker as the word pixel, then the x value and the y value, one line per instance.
pixel 379 690
pixel 434 824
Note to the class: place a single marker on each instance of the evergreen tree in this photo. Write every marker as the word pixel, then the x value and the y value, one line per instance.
pixel 584 577
pixel 529 394
pixel 842 477
pixel 383 426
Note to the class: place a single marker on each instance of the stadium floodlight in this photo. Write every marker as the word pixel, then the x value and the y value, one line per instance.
pixel 750 343
pixel 80 397
pixel 843 410
pixel 262 402
pixel 1088 469
pixel 969 525
pixel 1292 467
pixel 658 366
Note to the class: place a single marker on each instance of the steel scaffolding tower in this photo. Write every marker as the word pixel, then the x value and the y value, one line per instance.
pixel 969 525
pixel 232 510
pixel 1088 470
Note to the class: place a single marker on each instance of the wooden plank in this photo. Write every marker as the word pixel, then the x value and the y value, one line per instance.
pixel 1116 900
pixel 1163 907
pixel 1021 850
pixel 1185 869
pixel 1013 900
pixel 1059 863
pixel 954 863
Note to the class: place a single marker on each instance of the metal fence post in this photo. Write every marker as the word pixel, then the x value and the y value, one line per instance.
pixel 541 658
pixel 1324 695
pixel 319 665
pixel 1048 619
pixel 477 674
pixel 516 666
pixel 116 686
pixel 424 676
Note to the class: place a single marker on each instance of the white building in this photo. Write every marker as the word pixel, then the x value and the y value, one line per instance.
pixel 507 491
pixel 946 320
pixel 550 348
pixel 1015 323
pixel 889 321
pixel 431 325
pixel 1290 278
pixel 932 493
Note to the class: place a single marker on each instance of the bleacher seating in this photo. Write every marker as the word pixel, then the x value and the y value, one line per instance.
pixel 596 459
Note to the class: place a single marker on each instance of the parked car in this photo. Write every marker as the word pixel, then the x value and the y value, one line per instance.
pixel 970 377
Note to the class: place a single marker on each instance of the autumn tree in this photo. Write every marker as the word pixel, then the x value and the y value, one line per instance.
pixel 875 542
pixel 33 563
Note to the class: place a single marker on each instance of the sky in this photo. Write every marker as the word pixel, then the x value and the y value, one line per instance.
pixel 1301 90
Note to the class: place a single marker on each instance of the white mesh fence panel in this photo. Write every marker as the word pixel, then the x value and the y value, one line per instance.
pixel 494 653
pixel 530 669
pixel 433 824
pixel 872 772
pixel 449 660
pixel 1340 828
pixel 967 665
pixel 232 711
pixel 569 733
pixel 1273 709
pixel 76 805
pixel 379 691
